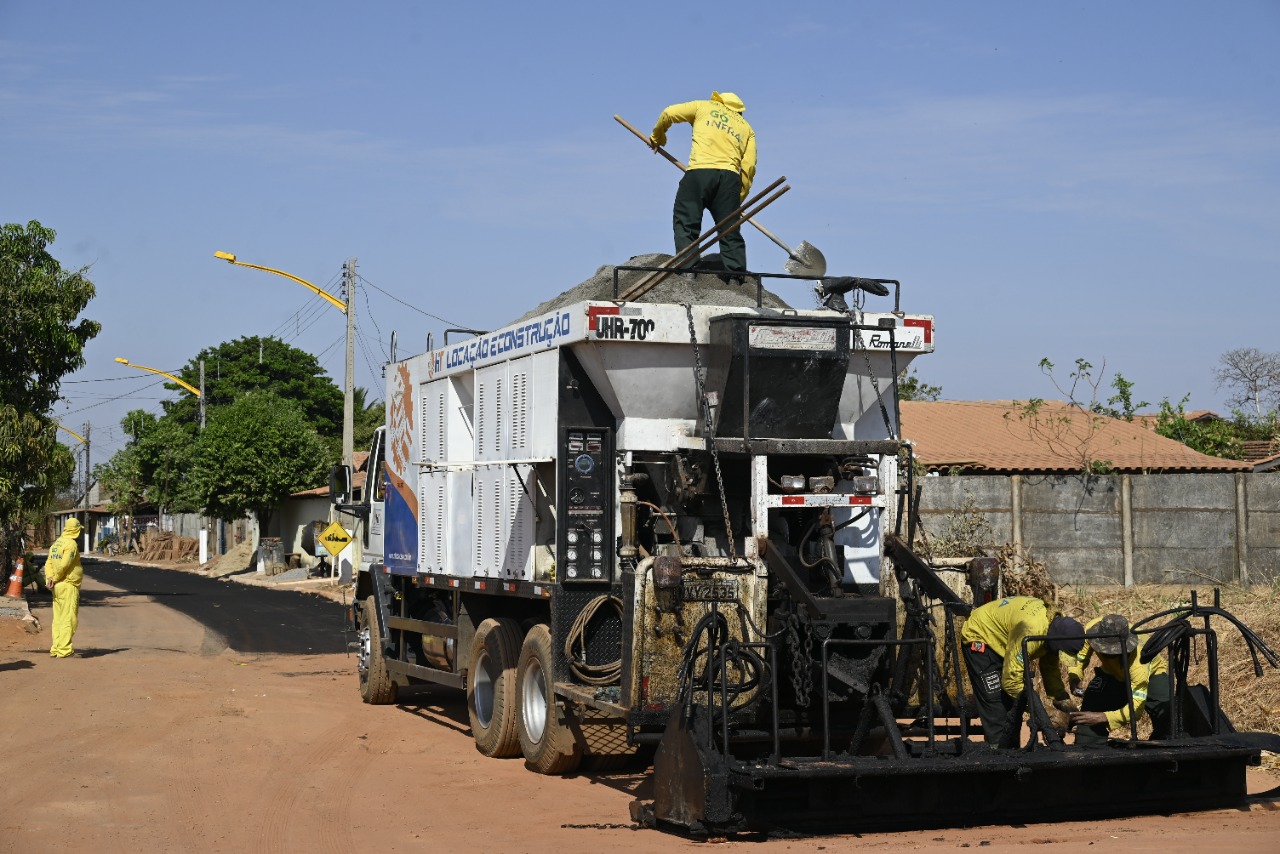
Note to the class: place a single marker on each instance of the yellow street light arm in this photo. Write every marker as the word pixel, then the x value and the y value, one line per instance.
pixel 185 385
pixel 334 301
pixel 72 432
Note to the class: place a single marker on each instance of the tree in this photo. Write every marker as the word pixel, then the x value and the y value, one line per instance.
pixel 1253 378
pixel 911 387
pixel 42 336
pixel 366 418
pixel 254 453
pixel 263 364
pixel 42 339
pixel 1215 437
pixel 33 466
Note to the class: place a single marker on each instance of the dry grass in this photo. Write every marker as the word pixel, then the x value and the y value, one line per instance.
pixel 1252 704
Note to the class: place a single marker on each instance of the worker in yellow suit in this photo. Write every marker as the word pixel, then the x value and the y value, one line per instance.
pixel 63 574
pixel 992 643
pixel 722 165
pixel 1105 704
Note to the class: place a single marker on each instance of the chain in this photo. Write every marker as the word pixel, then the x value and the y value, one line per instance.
pixel 801 661
pixel 706 419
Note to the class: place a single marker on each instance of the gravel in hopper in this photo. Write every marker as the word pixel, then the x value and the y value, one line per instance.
pixel 704 289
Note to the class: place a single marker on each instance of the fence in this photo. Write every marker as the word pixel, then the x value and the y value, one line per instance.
pixel 1127 529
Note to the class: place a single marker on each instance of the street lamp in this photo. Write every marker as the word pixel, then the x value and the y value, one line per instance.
pixel 204 546
pixel 188 386
pixel 347 308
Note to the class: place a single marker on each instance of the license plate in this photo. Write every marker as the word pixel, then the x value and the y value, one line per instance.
pixel 711 590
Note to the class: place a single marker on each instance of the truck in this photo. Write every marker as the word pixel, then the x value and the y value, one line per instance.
pixel 683 529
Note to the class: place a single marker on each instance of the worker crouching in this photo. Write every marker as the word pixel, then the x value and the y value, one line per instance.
pixel 1105 703
pixel 992 640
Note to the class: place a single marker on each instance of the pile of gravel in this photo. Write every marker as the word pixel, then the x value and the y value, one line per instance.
pixel 706 288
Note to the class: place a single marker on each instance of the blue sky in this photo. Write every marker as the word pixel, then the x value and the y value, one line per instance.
pixel 1095 179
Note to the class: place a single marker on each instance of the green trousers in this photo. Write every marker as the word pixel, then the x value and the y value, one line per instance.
pixel 717 191
pixel 1106 694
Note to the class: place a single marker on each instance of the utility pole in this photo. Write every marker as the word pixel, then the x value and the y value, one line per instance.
pixel 202 395
pixel 348 402
pixel 86 486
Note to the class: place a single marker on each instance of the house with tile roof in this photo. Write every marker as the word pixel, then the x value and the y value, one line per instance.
pixel 1055 437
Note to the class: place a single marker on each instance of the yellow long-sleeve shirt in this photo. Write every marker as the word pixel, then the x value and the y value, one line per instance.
pixel 1140 675
pixel 1002 625
pixel 722 138
pixel 64 562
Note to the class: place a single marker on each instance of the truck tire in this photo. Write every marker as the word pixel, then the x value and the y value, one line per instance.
pixel 548 744
pixel 491 691
pixel 376 687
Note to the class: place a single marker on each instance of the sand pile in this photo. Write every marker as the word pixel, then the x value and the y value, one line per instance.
pixel 706 288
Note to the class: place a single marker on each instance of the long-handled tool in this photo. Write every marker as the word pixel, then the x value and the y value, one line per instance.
pixel 804 260
pixel 750 207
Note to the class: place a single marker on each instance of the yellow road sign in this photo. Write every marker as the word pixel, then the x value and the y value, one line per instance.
pixel 335 538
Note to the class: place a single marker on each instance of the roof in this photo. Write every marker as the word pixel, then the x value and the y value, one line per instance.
pixel 360 460
pixel 1001 437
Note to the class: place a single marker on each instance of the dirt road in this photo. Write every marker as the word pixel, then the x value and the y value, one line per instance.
pixel 225 718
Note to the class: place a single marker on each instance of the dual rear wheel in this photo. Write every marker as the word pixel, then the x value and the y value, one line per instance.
pixel 510 701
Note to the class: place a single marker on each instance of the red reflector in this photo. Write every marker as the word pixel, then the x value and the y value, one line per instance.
pixel 594 311
pixel 859 499
pixel 926 325
pixel 793 499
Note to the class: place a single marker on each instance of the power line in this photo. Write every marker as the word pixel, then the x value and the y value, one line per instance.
pixel 407 305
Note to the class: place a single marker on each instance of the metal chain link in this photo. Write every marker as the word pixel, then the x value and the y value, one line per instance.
pixel 801 661
pixel 706 418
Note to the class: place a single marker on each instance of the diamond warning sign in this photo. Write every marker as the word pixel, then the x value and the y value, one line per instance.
pixel 334 539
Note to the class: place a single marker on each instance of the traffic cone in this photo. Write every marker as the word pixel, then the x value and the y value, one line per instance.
pixel 15 582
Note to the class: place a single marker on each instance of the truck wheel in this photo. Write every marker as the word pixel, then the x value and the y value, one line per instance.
pixel 376 687
pixel 491 681
pixel 548 743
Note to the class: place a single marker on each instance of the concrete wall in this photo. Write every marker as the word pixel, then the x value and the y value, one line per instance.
pixel 1127 529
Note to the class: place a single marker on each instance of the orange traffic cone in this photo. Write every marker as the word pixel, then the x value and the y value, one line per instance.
pixel 15 582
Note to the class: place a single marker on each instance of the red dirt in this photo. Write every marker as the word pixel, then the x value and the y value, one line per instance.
pixel 160 742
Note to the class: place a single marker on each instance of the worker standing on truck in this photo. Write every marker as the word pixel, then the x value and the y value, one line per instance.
pixel 992 642
pixel 722 165
pixel 1105 703
pixel 63 574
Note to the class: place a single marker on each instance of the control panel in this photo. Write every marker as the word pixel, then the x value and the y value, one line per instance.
pixel 586 512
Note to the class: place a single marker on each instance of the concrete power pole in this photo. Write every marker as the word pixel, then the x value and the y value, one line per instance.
pixel 348 402
pixel 202 395
pixel 87 484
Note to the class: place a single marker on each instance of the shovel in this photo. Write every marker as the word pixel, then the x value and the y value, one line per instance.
pixel 805 260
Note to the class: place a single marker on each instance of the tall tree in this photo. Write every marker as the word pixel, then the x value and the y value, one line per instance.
pixel 42 339
pixel 33 466
pixel 260 364
pixel 1253 378
pixel 42 335
pixel 253 454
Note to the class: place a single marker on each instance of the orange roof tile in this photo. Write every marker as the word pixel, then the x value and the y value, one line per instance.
pixel 999 436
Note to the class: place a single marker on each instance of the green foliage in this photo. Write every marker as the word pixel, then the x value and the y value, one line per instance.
pixel 1214 437
pixel 367 417
pixel 1073 432
pixel 911 387
pixel 254 453
pixel 41 338
pixel 34 465
pixel 259 364
pixel 151 469
pixel 1121 405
